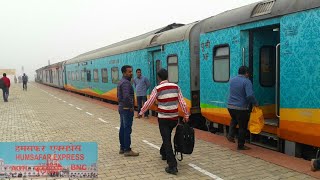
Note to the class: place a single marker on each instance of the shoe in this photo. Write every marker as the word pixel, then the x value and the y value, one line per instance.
pixel 244 148
pixel 163 157
pixel 131 153
pixel 313 165
pixel 173 170
pixel 121 151
pixel 230 139
pixel 146 117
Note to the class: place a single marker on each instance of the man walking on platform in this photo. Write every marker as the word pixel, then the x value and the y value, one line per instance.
pixel 24 81
pixel 168 96
pixel 241 96
pixel 141 84
pixel 125 95
pixel 6 87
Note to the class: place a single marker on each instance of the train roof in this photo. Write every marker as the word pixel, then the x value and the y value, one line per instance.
pixel 174 35
pixel 135 43
pixel 255 12
pixel 58 64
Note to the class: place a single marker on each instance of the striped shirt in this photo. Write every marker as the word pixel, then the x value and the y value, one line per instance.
pixel 168 96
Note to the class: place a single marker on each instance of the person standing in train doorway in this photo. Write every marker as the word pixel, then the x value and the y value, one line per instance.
pixel 125 95
pixel 6 87
pixel 240 98
pixel 24 81
pixel 168 96
pixel 141 84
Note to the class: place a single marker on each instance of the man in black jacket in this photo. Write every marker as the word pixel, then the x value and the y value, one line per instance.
pixel 125 95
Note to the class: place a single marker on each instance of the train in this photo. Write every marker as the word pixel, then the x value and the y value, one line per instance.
pixel 277 39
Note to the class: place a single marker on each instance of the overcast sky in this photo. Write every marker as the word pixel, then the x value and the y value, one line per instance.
pixel 35 31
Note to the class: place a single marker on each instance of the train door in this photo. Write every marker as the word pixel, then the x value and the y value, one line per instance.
pixel 155 62
pixel 58 76
pixel 156 65
pixel 263 64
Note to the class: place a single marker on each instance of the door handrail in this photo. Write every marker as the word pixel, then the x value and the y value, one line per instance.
pixel 277 81
pixel 243 57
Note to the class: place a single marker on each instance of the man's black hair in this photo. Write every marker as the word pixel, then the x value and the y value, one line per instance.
pixel 243 70
pixel 4 74
pixel 162 74
pixel 138 70
pixel 124 68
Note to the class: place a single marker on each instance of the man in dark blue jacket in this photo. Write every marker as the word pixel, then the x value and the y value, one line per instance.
pixel 240 98
pixel 125 95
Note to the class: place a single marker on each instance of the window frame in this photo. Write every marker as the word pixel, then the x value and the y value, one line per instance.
pixel 173 55
pixel 112 76
pixel 83 77
pixel 274 66
pixel 102 78
pixel 77 75
pixel 96 79
pixel 69 75
pixel 220 57
pixel 88 79
pixel 73 76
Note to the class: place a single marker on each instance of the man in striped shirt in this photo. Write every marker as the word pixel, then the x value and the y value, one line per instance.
pixel 168 96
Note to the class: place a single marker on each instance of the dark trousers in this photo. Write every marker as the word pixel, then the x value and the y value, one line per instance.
pixel 166 127
pixel 5 92
pixel 317 164
pixel 241 118
pixel 24 85
pixel 141 100
pixel 126 118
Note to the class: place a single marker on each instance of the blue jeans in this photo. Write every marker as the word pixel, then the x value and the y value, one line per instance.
pixel 126 118
pixel 141 100
pixel 5 91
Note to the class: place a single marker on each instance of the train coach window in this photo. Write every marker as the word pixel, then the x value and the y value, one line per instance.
pixel 173 71
pixel 221 63
pixel 104 74
pixel 50 75
pixel 83 75
pixel 267 66
pixel 77 76
pixel 88 75
pixel 115 75
pixel 69 75
pixel 73 76
pixel 95 75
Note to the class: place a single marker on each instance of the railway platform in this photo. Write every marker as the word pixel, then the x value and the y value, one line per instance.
pixel 47 114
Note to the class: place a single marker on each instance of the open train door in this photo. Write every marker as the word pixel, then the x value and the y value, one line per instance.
pixel 264 59
pixel 155 64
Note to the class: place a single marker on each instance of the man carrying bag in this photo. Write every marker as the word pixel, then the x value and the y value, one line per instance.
pixel 168 96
